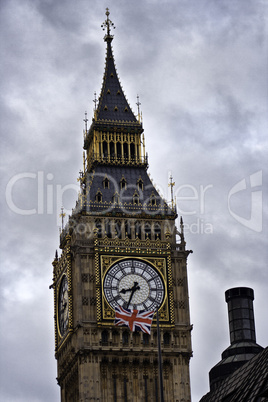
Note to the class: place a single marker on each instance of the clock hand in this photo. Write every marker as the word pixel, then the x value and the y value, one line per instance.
pixel 130 289
pixel 125 290
pixel 133 290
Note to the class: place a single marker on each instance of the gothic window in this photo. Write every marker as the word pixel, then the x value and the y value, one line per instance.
pixel 155 337
pixel 104 337
pixel 128 228
pixel 147 230
pixel 118 229
pixel 112 154
pixel 140 184
pixel 138 229
pixel 98 196
pixel 125 148
pixel 166 338
pixel 115 337
pixel 136 199
pixel 146 339
pixel 108 228
pixel 118 150
pixel 132 151
pixel 136 338
pixel 116 198
pixel 106 183
pixel 123 183
pixel 157 230
pixel 153 199
pixel 125 337
pixel 105 149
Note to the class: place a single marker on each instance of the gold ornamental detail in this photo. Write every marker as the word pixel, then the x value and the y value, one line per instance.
pixel 105 314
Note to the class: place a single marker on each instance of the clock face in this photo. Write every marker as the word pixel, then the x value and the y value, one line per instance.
pixel 63 306
pixel 134 284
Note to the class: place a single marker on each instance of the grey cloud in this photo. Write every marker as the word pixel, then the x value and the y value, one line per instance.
pixel 200 70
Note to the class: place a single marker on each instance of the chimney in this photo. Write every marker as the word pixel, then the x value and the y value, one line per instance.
pixel 242 335
pixel 241 315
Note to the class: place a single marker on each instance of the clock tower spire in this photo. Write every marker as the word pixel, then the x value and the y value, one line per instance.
pixel 119 251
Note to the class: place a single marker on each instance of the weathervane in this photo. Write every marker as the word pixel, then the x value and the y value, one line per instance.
pixel 108 23
pixel 171 185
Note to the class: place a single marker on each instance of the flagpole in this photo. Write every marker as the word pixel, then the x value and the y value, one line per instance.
pixel 160 371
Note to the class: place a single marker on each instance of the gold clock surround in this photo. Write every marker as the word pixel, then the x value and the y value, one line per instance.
pixel 105 312
pixel 62 331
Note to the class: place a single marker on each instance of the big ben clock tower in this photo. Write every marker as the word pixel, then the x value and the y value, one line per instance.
pixel 119 250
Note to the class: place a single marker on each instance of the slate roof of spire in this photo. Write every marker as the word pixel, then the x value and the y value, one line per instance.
pixel 125 202
pixel 113 104
pixel 247 384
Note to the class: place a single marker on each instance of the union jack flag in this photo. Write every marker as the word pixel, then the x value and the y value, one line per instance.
pixel 134 319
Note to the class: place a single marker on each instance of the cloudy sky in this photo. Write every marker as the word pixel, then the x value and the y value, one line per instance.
pixel 200 69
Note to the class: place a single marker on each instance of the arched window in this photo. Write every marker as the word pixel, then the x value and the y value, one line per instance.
pixel 166 338
pixel 108 228
pixel 147 230
pixel 132 151
pixel 136 338
pixel 123 183
pixel 136 199
pixel 118 229
pixel 104 337
pixel 153 199
pixel 140 185
pixel 115 337
pixel 98 196
pixel 125 337
pixel 155 338
pixel 105 149
pixel 125 148
pixel 119 150
pixel 157 230
pixel 116 198
pixel 146 339
pixel 112 153
pixel 138 151
pixel 138 229
pixel 106 183
pixel 128 228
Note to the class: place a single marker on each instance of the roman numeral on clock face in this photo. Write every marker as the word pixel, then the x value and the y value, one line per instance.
pixel 133 284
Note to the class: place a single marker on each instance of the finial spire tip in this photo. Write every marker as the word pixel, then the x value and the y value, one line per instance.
pixel 108 24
